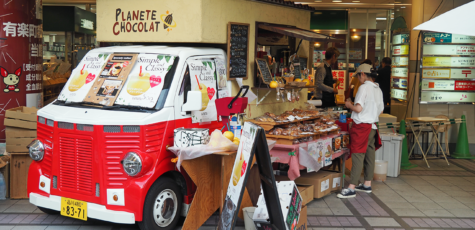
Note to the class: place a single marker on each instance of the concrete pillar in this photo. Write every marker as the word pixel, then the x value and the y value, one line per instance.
pixel 21 56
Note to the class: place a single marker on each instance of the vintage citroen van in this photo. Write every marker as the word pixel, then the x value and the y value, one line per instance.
pixel 102 154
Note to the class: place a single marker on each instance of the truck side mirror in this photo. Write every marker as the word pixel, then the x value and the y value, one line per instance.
pixel 193 102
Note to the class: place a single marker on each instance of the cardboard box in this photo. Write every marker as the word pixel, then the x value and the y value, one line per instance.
pixel 12 132
pixel 320 180
pixel 20 163
pixel 306 192
pixel 337 178
pixel 302 224
pixel 22 113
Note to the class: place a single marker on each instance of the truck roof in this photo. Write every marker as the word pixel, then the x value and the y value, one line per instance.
pixel 175 51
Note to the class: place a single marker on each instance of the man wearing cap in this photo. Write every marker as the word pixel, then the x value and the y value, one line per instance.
pixel 364 136
pixel 324 89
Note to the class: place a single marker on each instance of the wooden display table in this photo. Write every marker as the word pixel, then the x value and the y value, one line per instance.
pixel 421 122
pixel 211 174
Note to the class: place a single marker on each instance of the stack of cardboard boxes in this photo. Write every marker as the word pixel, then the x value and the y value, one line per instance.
pixel 20 131
pixel 324 182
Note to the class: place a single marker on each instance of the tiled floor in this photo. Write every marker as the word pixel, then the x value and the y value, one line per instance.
pixel 440 197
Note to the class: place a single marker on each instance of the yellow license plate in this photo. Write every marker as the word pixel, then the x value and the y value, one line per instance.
pixel 74 208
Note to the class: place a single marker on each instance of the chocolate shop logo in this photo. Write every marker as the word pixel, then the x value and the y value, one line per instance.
pixel 141 21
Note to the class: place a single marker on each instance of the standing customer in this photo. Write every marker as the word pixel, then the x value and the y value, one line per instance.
pixel 324 89
pixel 355 83
pixel 384 80
pixel 364 136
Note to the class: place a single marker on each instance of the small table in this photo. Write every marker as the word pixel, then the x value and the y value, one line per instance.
pixel 421 122
pixel 211 174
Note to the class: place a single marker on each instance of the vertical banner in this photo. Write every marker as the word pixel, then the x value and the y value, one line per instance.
pixel 21 56
pixel 203 79
pixel 340 76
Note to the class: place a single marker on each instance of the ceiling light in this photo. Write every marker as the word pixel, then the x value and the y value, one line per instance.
pixel 356 1
pixel 354 30
pixel 318 0
pixel 380 18
pixel 336 1
pixel 402 7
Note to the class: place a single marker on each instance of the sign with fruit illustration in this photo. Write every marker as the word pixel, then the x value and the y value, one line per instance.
pixel 83 76
pixel 238 177
pixel 203 78
pixel 145 81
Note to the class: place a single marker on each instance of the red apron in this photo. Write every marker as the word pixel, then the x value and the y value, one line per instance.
pixel 359 134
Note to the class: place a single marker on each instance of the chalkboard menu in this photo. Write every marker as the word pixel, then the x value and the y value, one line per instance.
pixel 266 76
pixel 238 50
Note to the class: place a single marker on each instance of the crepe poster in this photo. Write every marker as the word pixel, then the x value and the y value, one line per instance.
pixel 203 79
pixel 145 81
pixel 221 73
pixel 83 76
pixel 108 85
pixel 238 177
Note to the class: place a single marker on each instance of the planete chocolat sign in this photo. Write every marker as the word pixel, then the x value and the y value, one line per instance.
pixel 142 21
pixel 149 21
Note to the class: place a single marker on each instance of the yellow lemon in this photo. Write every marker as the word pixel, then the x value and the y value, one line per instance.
pixel 138 85
pixel 236 139
pixel 273 84
pixel 306 81
pixel 78 81
pixel 229 135
pixel 298 80
pixel 204 96
pixel 236 142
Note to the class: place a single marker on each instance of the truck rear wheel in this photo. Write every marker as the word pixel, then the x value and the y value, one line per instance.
pixel 162 207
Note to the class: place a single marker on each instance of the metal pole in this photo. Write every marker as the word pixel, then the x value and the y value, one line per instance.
pixel 388 34
pixel 366 45
pixel 348 80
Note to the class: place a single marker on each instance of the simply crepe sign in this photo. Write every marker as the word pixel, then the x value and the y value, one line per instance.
pixel 145 81
pixel 203 79
pixel 82 77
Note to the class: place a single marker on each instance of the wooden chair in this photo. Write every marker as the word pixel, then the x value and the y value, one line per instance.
pixel 444 129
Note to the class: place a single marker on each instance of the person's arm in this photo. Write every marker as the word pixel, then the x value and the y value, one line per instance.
pixel 359 101
pixel 319 80
pixel 357 108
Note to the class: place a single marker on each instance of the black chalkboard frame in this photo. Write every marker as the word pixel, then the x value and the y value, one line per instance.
pixel 229 50
pixel 261 70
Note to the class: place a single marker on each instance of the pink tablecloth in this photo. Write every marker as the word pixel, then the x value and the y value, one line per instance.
pixel 280 154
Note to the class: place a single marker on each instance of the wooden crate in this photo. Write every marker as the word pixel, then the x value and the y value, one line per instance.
pixel 19 165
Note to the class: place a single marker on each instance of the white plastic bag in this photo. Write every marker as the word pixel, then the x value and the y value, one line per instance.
pixel 217 143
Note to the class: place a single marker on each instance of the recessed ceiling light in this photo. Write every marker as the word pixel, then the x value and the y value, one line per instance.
pixel 336 1
pixel 356 1
pixel 318 0
pixel 380 18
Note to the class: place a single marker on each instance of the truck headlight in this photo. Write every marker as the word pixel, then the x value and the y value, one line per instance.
pixel 36 150
pixel 132 163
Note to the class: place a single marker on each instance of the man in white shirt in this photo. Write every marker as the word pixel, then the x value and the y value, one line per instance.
pixel 364 137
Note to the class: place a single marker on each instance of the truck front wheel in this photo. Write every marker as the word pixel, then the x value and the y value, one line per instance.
pixel 162 206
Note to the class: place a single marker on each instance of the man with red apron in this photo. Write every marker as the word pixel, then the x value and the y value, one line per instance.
pixel 364 136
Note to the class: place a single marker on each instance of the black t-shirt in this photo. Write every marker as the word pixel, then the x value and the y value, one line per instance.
pixel 384 81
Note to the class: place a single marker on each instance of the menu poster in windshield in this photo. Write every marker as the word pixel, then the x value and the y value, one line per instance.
pixel 203 79
pixel 113 75
pixel 82 77
pixel 145 81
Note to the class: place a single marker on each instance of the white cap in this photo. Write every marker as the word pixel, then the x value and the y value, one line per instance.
pixel 364 68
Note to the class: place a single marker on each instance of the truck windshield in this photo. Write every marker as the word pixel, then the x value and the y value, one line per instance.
pixel 131 87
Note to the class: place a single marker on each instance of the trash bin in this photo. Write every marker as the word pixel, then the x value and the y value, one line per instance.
pixel 248 221
pixel 380 170
pixel 391 152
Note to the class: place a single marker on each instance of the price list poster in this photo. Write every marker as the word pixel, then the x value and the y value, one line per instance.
pixel 448 68
pixel 400 66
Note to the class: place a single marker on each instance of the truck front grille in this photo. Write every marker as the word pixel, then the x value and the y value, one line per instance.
pixel 76 157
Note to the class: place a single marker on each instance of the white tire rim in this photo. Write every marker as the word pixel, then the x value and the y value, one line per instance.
pixel 165 208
